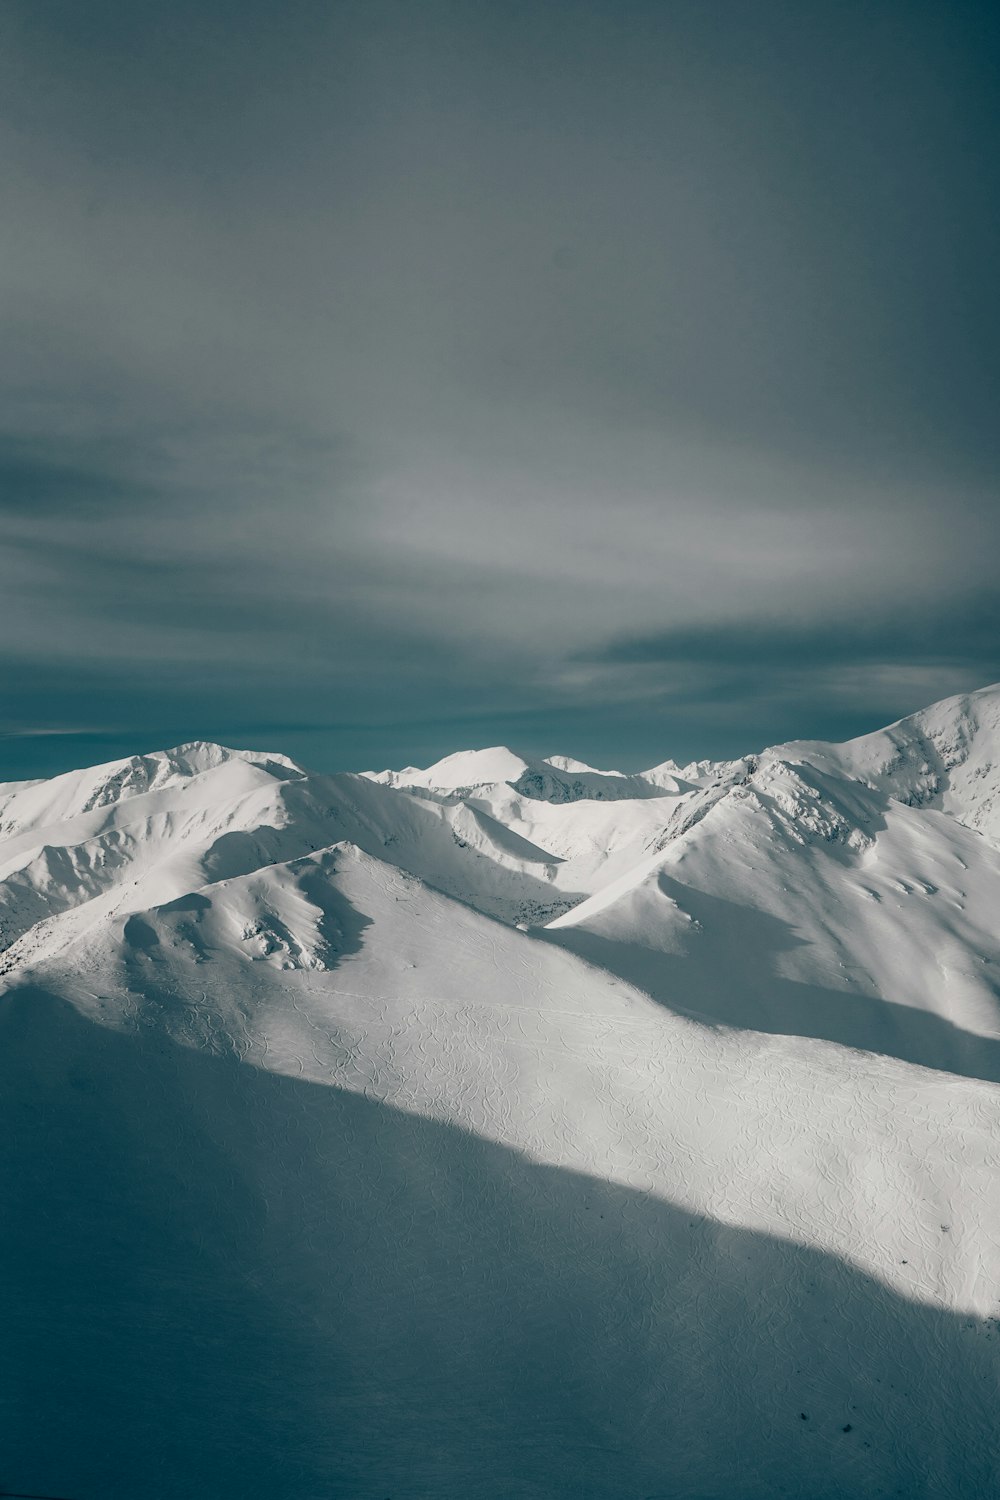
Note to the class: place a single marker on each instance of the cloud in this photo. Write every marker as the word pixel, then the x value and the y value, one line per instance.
pixel 396 365
pixel 49 734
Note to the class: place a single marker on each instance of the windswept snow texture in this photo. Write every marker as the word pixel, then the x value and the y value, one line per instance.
pixel 508 1128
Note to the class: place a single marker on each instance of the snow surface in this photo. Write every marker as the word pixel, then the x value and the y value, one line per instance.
pixel 479 1131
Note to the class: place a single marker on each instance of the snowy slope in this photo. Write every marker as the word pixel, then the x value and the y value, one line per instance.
pixel 811 904
pixel 946 757
pixel 370 1136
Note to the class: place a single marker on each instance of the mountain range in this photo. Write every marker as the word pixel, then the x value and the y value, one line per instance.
pixel 508 1128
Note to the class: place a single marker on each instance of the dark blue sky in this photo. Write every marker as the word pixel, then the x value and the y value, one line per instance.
pixel 382 379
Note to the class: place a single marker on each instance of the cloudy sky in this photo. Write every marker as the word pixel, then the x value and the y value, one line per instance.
pixel 380 379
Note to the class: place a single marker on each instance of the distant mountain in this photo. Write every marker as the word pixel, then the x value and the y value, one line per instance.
pixel 508 1127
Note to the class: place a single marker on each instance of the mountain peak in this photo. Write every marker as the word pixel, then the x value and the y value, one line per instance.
pixel 461 771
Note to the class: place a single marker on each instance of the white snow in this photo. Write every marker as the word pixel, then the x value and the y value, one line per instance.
pixel 478 1131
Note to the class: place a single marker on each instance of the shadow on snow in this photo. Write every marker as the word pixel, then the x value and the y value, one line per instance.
pixel 226 1282
pixel 727 976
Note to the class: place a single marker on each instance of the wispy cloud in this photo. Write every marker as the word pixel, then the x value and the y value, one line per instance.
pixel 475 367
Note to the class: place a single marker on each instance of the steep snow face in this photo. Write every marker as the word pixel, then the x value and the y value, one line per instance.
pixel 454 1117
pixel 947 756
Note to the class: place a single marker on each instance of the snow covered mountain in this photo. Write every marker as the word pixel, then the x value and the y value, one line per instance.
pixel 506 1128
